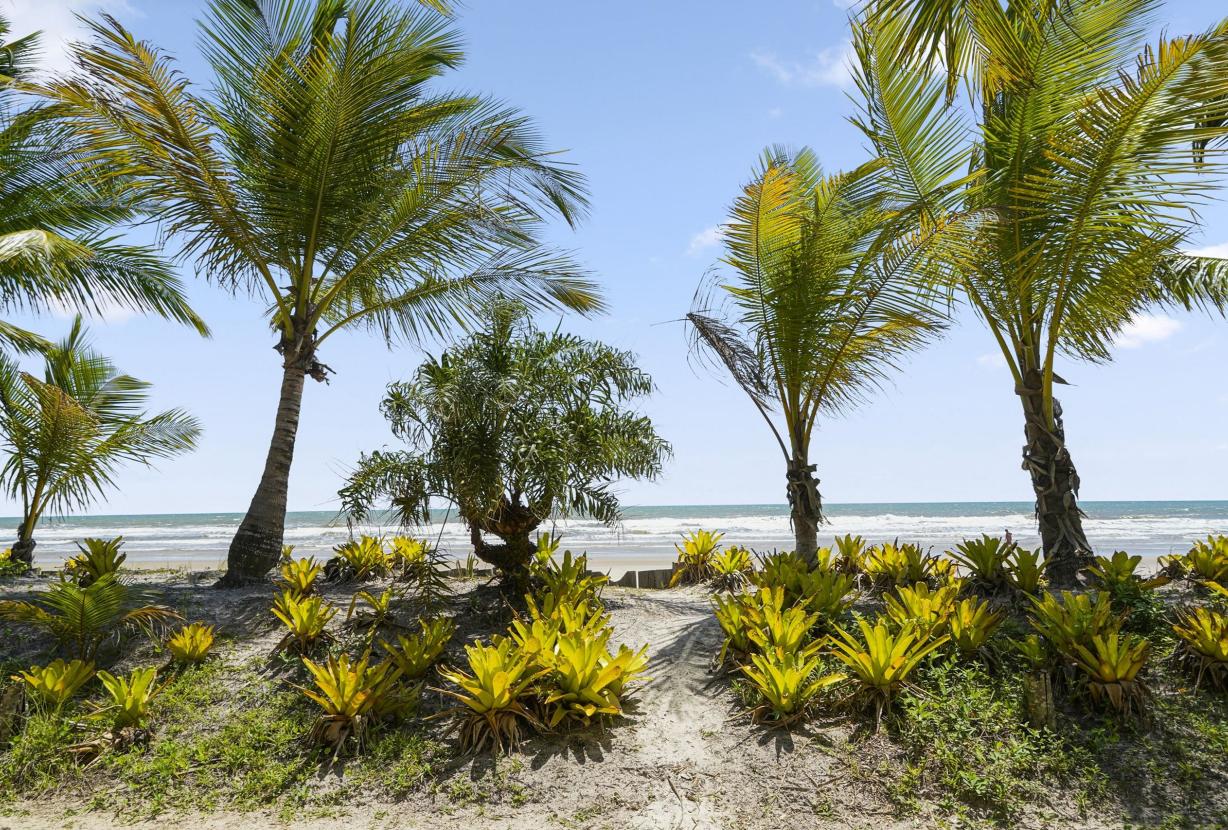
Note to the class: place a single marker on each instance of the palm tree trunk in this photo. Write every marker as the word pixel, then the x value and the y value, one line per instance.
pixel 1055 482
pixel 23 548
pixel 256 546
pixel 805 506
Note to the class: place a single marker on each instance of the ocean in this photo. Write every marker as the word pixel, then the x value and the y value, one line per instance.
pixel 646 537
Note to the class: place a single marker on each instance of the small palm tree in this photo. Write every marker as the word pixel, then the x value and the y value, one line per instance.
pixel 1088 157
pixel 826 289
pixel 68 433
pixel 326 176
pixel 55 216
pixel 513 426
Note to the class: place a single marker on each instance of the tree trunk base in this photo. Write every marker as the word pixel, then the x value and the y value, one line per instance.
pixel 23 551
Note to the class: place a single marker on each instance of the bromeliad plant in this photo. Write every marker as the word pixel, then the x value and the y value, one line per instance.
pixel 738 615
pixel 493 696
pixel 81 619
pixel 131 697
pixel 1026 571
pixel 585 681
pixel 1118 575
pixel 1203 644
pixel 376 610
pixel 732 569
pixel 881 661
pixel 416 653
pixel 926 612
pixel 1111 664
pixel 971 623
pixel 788 683
pixel 57 682
pixel 95 559
pixel 783 628
pixel 358 560
pixel 695 555
pixel 1206 561
pixel 298 576
pixel 850 554
pixel 569 580
pixel 986 561
pixel 1074 620
pixel 894 564
pixel 192 643
pixel 305 618
pixel 352 695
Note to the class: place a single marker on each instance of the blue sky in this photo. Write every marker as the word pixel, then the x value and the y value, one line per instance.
pixel 665 107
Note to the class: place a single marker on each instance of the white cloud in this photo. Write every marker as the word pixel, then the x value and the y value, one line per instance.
pixel 57 21
pixel 828 67
pixel 1146 328
pixel 1220 250
pixel 707 238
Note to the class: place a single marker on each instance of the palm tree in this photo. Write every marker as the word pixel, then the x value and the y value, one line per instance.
pixel 826 289
pixel 326 176
pixel 1088 157
pixel 68 433
pixel 55 214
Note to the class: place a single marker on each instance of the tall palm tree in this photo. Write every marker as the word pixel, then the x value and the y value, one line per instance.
pixel 56 247
pixel 1087 154
pixel 326 176
pixel 825 288
pixel 67 433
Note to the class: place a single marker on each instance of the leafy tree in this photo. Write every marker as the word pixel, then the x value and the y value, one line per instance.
pixel 825 287
pixel 68 433
pixel 1086 158
pixel 326 177
pixel 513 426
pixel 55 217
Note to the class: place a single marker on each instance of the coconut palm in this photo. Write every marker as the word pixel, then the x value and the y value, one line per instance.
pixel 327 177
pixel 1088 155
pixel 825 287
pixel 67 433
pixel 55 249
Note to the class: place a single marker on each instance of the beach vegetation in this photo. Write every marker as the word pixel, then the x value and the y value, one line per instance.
pixel 305 619
pixel 925 611
pixel 82 619
pixel 1203 644
pixel 1072 173
pixel 894 564
pixel 359 560
pixel 514 426
pixel 351 693
pixel 822 289
pixel 494 695
pixel 788 684
pixel 57 682
pixel 94 559
pixel 1026 571
pixel 414 654
pixel 191 644
pixel 694 562
pixel 1073 620
pixel 986 561
pixel 1111 664
pixel 298 576
pixel 130 698
pixel 880 661
pixel 971 623
pixel 67 434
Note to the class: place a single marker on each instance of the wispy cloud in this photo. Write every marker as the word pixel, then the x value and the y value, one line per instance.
pixel 58 23
pixel 1146 328
pixel 828 67
pixel 705 239
pixel 1220 250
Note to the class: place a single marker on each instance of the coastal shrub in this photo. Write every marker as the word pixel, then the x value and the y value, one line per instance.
pixel 986 561
pixel 416 564
pixel 881 661
pixel 971 623
pixel 414 654
pixel 10 565
pixel 824 589
pixel 352 694
pixel 783 627
pixel 1073 620
pixel 1026 570
pixel 494 696
pixel 1131 594
pixel 738 615
pixel 850 554
pixel 1111 664
pixel 731 569
pixel 358 560
pixel 917 607
pixel 376 610
pixel 584 680
pixel 1203 645
pixel 1206 560
pixel 787 683
pixel 95 559
pixel 57 682
pixel 695 555
pixel 83 618
pixel 192 643
pixel 298 576
pixel 305 618
pixel 569 581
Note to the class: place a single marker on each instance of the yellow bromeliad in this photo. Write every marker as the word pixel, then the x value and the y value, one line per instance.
pixel 1204 642
pixel 298 576
pixel 493 695
pixel 738 615
pixel 731 568
pixel 416 653
pixel 56 682
pixel 192 643
pixel 971 624
pixel 305 617
pixel 130 697
pixel 586 681
pixel 351 695
pixel 1073 620
pixel 788 683
pixel 786 629
pixel 924 610
pixel 695 554
pixel 880 660
pixel 1112 663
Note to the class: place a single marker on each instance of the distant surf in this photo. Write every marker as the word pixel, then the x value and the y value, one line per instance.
pixel 646 536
